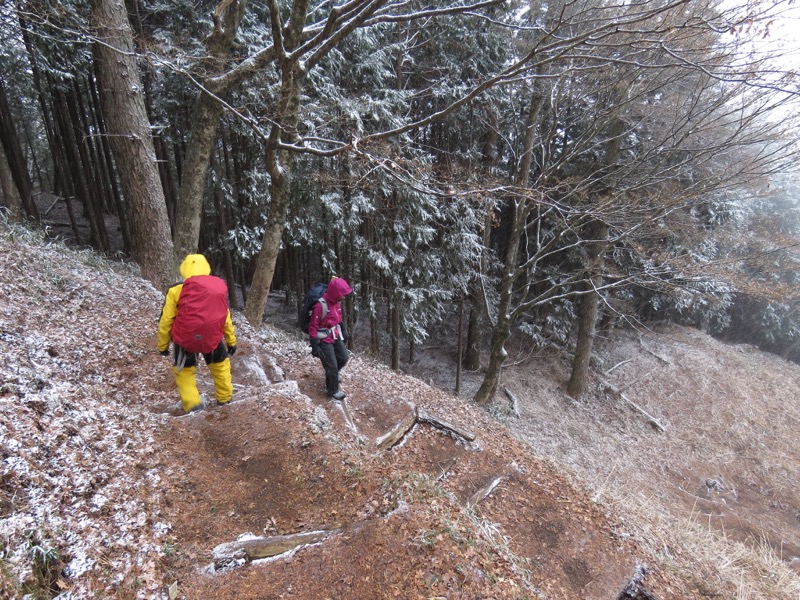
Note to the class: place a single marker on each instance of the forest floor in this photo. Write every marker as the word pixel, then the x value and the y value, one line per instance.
pixel 105 493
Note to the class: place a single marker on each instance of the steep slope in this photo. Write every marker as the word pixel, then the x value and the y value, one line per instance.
pixel 104 494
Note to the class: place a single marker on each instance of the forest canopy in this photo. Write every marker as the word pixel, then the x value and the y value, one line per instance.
pixel 487 168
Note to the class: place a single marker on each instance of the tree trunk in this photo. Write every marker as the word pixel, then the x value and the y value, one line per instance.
pixel 597 234
pixel 497 356
pixel 472 353
pixel 395 331
pixel 460 344
pixel 587 310
pixel 205 121
pixel 501 329
pixel 14 157
pixel 227 259
pixel 122 101
pixel 85 156
pixel 73 166
pixel 279 166
pixel 109 168
pixel 207 113
pixel 11 197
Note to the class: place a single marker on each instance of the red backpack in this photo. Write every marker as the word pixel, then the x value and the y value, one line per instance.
pixel 202 310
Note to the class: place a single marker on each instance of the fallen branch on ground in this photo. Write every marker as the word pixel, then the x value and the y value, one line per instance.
pixel 514 400
pixel 617 392
pixel 425 417
pixel 265 547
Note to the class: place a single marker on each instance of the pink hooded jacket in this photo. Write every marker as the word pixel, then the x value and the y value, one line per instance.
pixel 338 288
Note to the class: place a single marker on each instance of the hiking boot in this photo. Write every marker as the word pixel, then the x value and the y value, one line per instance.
pixel 340 395
pixel 197 407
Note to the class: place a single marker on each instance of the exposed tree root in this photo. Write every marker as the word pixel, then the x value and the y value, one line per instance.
pixel 419 415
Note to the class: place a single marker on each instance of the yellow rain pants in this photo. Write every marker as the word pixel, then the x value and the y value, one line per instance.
pixel 221 373
pixel 186 380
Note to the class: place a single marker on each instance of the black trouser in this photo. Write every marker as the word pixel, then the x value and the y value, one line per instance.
pixel 334 357
pixel 217 355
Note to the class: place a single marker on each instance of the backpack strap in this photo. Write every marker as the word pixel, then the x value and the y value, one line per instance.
pixel 324 304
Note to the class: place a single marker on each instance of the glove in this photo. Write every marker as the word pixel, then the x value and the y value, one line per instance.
pixel 315 348
pixel 164 352
pixel 231 350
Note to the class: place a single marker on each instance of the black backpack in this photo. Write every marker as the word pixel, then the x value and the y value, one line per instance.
pixel 312 296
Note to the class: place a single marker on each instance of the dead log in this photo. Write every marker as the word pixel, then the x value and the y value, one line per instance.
pixel 514 400
pixel 391 439
pixel 617 392
pixel 426 417
pixel 265 547
pixel 484 492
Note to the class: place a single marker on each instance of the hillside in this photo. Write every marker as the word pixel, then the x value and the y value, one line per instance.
pixel 104 493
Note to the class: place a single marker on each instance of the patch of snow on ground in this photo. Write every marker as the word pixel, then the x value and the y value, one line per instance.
pixel 71 452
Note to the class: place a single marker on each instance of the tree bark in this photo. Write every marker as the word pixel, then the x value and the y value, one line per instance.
pixel 395 331
pixel 122 100
pixel 205 122
pixel 460 345
pixel 279 165
pixel 597 234
pixel 14 156
pixel 11 197
pixel 207 113
pixel 88 164
pixel 270 243
pixel 73 166
pixel 472 354
pixel 587 309
pixel 501 329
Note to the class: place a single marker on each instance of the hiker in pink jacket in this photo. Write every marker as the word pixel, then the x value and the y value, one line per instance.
pixel 325 328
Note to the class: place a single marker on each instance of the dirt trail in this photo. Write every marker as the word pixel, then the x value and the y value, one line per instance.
pixel 283 459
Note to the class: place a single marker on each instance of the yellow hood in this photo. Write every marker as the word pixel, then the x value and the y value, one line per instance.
pixel 195 264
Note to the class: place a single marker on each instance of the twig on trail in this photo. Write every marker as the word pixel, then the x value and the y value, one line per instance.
pixel 348 419
pixel 445 469
pixel 617 392
pixel 424 416
pixel 484 492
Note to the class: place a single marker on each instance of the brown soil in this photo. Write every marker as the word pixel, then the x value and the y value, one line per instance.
pixel 282 459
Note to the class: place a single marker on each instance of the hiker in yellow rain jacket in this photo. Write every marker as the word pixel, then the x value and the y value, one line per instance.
pixel 196 319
